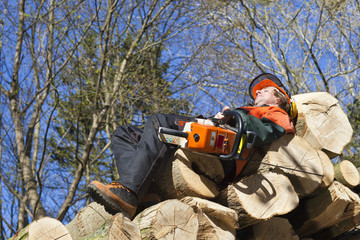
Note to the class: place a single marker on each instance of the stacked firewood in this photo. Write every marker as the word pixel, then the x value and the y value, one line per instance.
pixel 293 189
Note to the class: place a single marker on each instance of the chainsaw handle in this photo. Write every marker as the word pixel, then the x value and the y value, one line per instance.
pixel 173 132
pixel 250 137
pixel 239 133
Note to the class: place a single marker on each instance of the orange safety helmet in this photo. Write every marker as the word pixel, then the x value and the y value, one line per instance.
pixel 269 80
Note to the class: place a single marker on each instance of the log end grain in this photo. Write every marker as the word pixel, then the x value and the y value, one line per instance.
pixel 259 197
pixel 347 174
pixel 190 174
pixel 325 124
pixel 170 219
pixel 47 229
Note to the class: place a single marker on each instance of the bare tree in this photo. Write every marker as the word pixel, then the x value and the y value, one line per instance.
pixel 51 38
pixel 27 99
pixel 311 46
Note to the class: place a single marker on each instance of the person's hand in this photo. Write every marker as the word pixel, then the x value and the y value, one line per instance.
pixel 220 115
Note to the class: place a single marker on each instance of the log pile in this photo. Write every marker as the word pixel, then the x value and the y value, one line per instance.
pixel 289 190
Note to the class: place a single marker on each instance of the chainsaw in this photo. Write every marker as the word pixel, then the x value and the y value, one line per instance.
pixel 213 136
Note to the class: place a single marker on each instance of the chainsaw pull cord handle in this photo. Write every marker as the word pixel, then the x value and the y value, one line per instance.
pixel 239 134
pixel 249 145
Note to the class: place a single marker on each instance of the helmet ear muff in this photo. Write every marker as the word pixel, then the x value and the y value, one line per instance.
pixel 293 110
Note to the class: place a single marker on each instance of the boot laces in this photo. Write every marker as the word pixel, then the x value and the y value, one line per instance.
pixel 117 185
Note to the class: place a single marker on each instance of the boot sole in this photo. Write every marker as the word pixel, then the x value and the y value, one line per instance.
pixel 102 199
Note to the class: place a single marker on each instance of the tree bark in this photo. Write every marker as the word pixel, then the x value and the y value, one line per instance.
pixel 322 122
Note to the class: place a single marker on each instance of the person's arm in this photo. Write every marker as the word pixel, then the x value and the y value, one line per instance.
pixel 266 130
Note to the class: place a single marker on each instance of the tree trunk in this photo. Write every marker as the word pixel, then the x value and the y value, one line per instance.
pixel 191 174
pixel 259 197
pixel 23 149
pixel 45 229
pixel 294 157
pixel 347 174
pixel 322 122
pixel 170 219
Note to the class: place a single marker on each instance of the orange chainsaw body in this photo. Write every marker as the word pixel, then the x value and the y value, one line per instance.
pixel 210 139
pixel 207 136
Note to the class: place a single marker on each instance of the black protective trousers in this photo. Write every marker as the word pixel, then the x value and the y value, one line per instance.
pixel 140 154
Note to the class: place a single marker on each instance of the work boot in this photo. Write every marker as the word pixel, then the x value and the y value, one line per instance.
pixel 114 197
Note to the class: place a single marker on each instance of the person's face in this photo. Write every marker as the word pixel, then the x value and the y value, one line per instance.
pixel 266 96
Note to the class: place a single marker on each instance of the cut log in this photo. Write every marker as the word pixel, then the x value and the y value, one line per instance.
pixel 44 229
pixel 170 219
pixel 215 220
pixel 190 174
pixel 322 122
pixel 214 210
pixel 123 229
pixel 210 229
pixel 88 220
pixel 273 229
pixel 348 221
pixel 353 209
pixel 259 197
pixel 293 156
pixel 336 230
pixel 321 211
pixel 328 168
pixel 94 221
pixel 347 174
pixel 347 224
pixel 118 227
